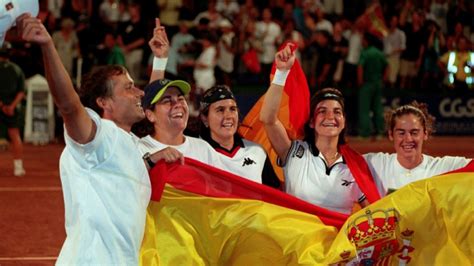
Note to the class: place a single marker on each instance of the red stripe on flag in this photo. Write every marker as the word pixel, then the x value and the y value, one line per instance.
pixel 361 172
pixel 196 177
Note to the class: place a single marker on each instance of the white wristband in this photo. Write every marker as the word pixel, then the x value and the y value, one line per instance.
pixel 280 77
pixel 159 63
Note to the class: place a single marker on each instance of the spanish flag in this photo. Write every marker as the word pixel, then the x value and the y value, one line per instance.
pixel 373 21
pixel 204 216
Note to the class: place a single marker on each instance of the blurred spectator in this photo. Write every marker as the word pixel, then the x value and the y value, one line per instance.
pixel 228 8
pixel 67 44
pixel 109 12
pixel 114 54
pixel 124 15
pixel 458 66
pixel 355 35
pixel 54 6
pixel 438 12
pixel 333 7
pixel 226 50
pixel 178 54
pixel 291 34
pixel 250 46
pixel 12 92
pixel 248 12
pixel 74 9
pixel 46 16
pixel 211 14
pixel 322 23
pixel 204 65
pixel 310 53
pixel 459 13
pixel 394 45
pixel 169 15
pixel 434 47
pixel 131 39
pixel 298 15
pixel 371 72
pixel 411 58
pixel 453 39
pixel 310 6
pixel 269 33
pixel 326 60
pixel 340 49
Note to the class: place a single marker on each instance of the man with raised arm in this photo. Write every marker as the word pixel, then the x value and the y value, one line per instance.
pixel 104 180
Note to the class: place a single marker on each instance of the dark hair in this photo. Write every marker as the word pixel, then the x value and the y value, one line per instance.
pixel 319 96
pixel 98 83
pixel 373 40
pixel 208 99
pixel 415 108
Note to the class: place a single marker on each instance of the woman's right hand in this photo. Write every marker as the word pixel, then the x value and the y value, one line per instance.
pixel 285 58
pixel 169 154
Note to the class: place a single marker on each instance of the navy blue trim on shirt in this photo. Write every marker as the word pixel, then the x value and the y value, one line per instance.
pixel 314 150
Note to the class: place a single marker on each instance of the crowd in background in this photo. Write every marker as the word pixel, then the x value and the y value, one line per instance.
pixel 215 41
pixel 427 44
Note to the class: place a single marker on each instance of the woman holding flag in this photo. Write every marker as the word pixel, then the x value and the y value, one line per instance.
pixel 409 126
pixel 314 168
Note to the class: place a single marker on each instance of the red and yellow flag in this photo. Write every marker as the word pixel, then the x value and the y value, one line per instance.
pixel 294 112
pixel 203 216
pixel 373 21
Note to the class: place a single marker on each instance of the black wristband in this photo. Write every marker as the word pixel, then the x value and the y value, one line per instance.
pixel 147 158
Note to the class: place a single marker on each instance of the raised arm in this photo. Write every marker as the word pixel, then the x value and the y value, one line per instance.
pixel 160 46
pixel 79 125
pixel 275 130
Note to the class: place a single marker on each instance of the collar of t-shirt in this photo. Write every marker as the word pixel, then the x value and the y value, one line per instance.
pixel 316 152
pixel 238 143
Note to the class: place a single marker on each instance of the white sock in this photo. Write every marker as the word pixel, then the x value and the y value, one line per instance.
pixel 18 163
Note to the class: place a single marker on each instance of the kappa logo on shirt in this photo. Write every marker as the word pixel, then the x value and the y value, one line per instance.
pixel 346 183
pixel 248 161
pixel 299 152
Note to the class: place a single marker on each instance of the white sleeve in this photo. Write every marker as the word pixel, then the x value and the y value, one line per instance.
pixel 100 148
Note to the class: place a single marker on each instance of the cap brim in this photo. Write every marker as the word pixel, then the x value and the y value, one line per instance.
pixel 180 84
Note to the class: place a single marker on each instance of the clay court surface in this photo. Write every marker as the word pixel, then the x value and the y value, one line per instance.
pixel 32 210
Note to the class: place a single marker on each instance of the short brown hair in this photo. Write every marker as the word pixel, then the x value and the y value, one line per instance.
pixel 319 96
pixel 415 108
pixel 98 83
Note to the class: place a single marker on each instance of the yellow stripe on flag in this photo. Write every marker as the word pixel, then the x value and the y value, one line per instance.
pixel 189 229
pixel 428 222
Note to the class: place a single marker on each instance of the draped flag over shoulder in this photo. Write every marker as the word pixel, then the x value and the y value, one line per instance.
pixel 294 112
pixel 203 216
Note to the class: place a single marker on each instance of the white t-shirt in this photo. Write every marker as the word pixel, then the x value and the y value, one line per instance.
pixel 247 161
pixel 193 148
pixel 106 191
pixel 225 61
pixel 270 34
pixel 204 77
pixel 355 47
pixel 308 178
pixel 395 40
pixel 389 174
